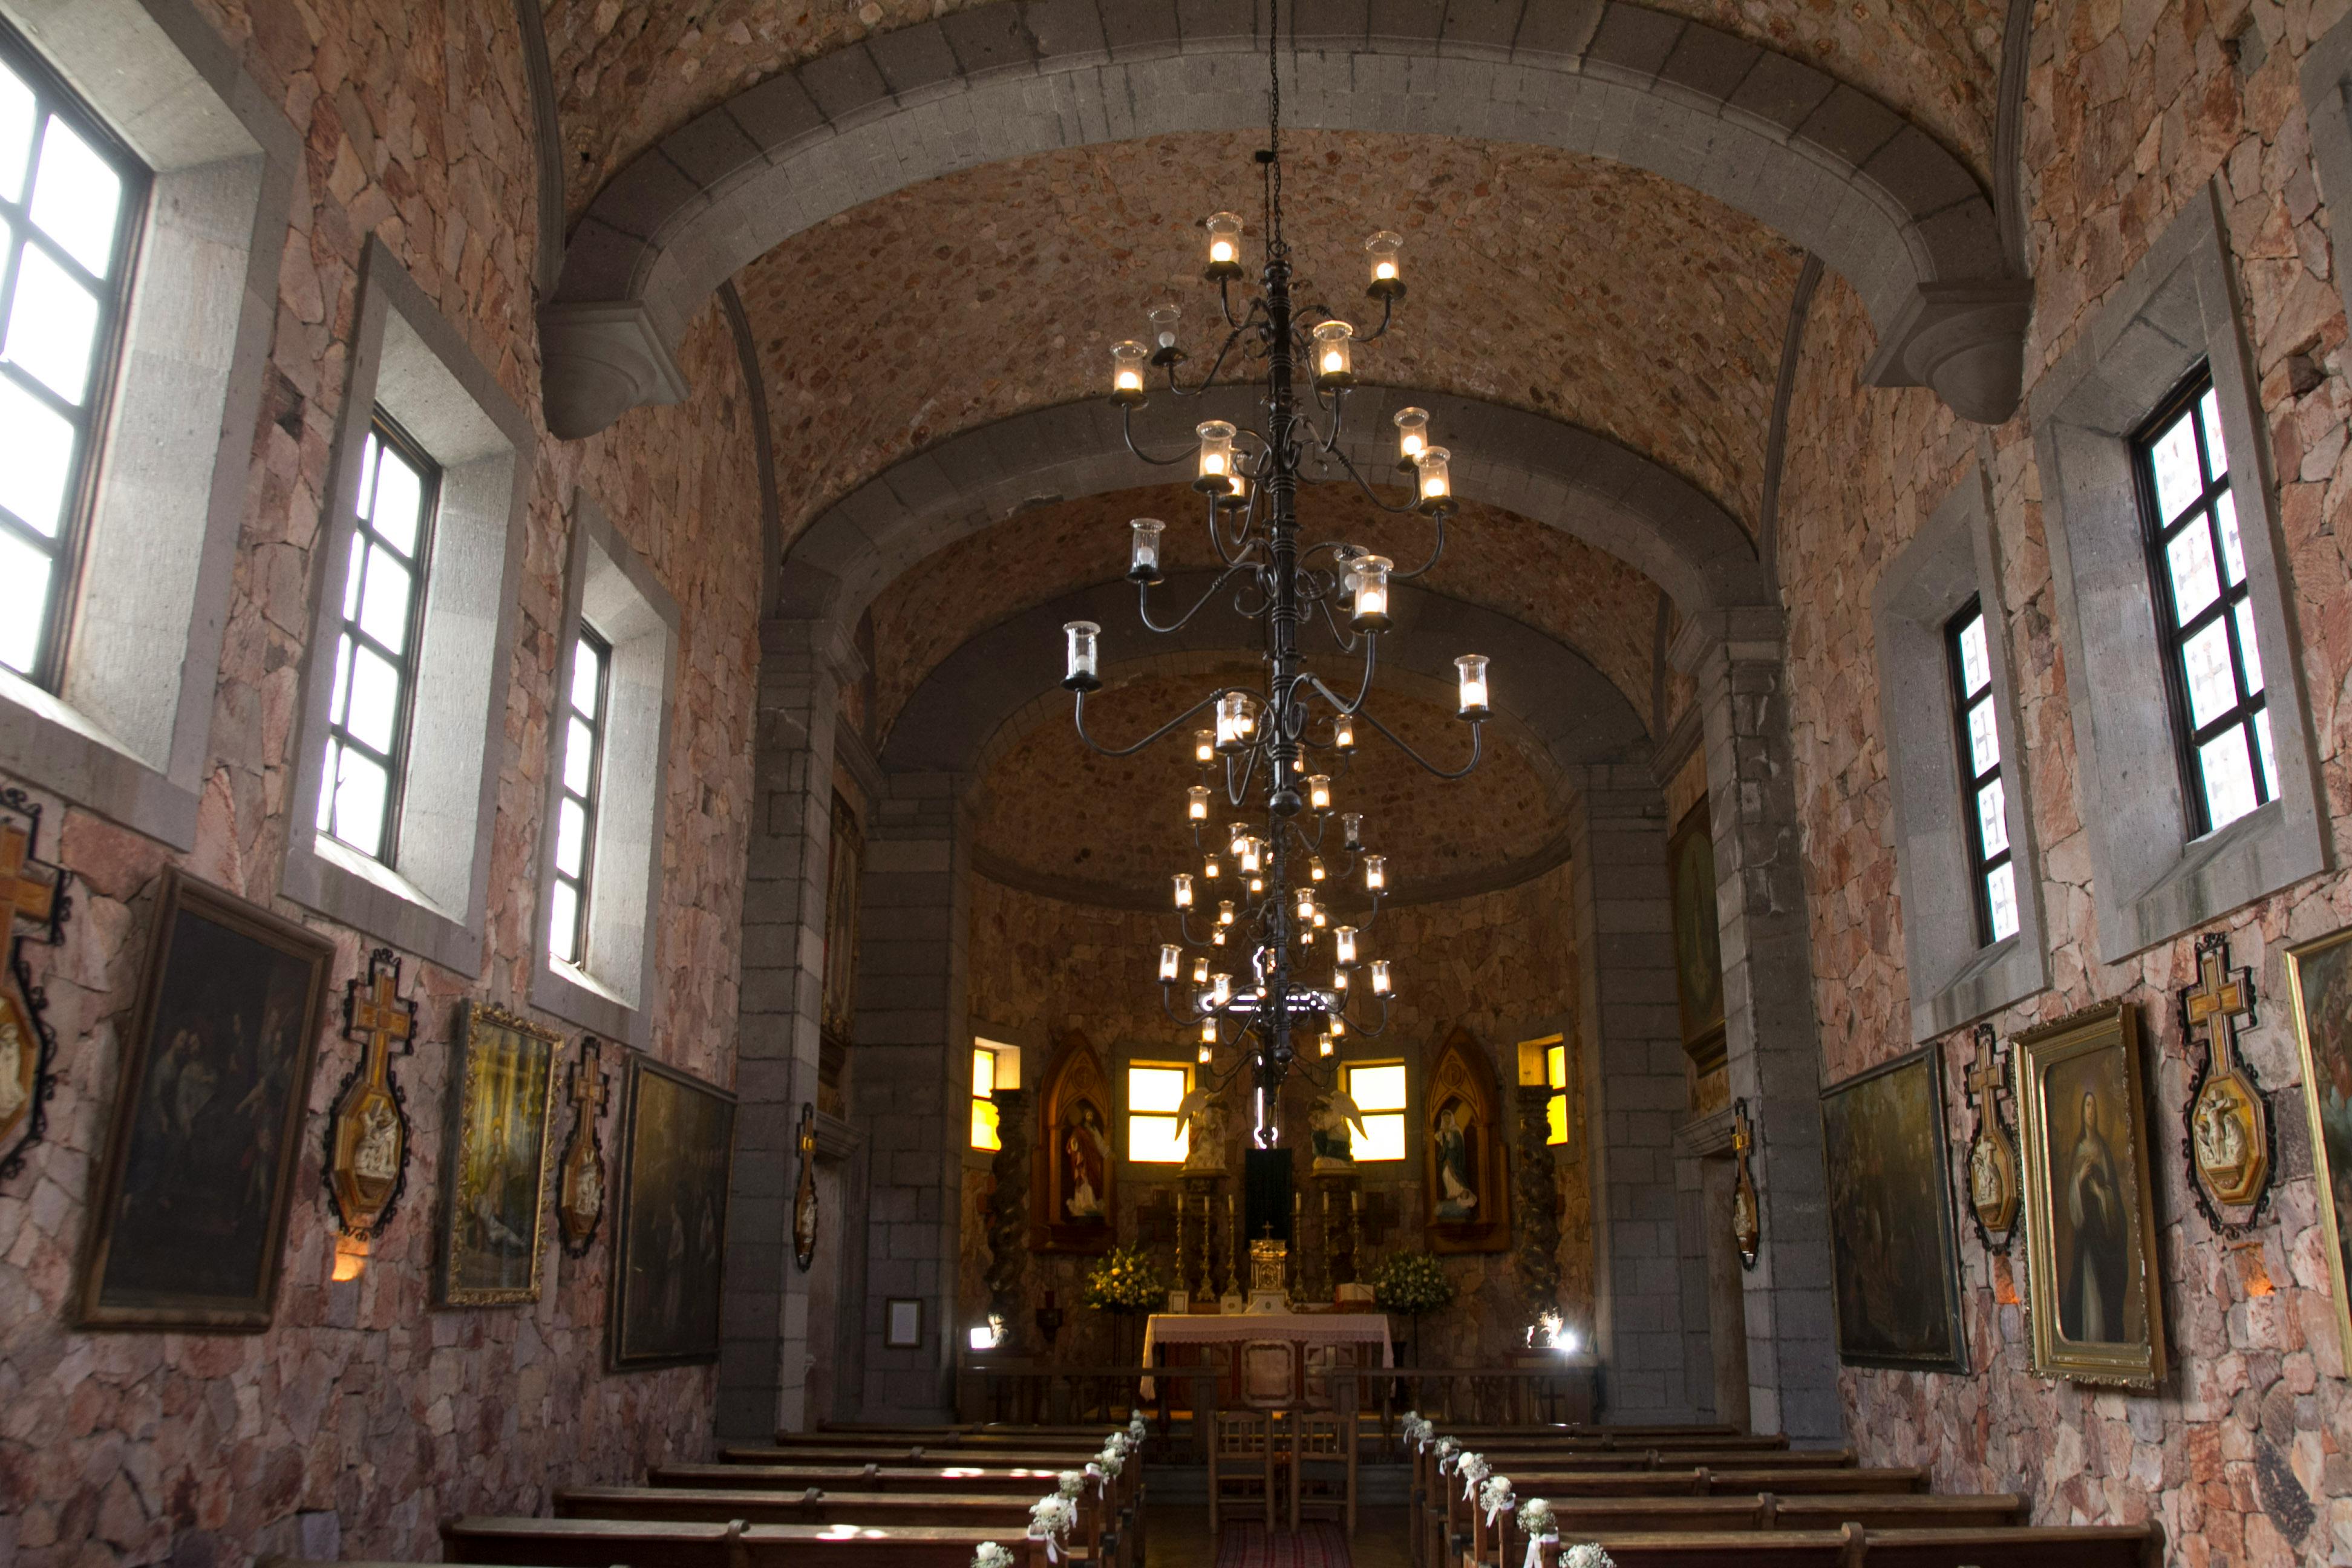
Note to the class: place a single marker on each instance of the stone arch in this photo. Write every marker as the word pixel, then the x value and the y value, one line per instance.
pixel 1613 498
pixel 1828 166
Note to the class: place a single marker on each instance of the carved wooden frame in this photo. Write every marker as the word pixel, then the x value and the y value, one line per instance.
pixel 1077 1078
pixel 1462 1071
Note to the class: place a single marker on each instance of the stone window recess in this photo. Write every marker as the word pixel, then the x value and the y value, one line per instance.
pixel 145 183
pixel 1154 1090
pixel 608 759
pixel 2213 665
pixel 2166 853
pixel 416 393
pixel 985 1083
pixel 70 195
pixel 1964 855
pixel 1544 1062
pixel 1378 1090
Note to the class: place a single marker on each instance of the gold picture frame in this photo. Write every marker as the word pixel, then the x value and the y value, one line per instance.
pixel 494 1201
pixel 2319 983
pixel 2094 1293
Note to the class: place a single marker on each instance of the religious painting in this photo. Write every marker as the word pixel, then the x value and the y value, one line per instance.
pixel 491 1244
pixel 189 1220
pixel 580 1177
pixel 33 908
pixel 1699 937
pixel 845 862
pixel 1466 1189
pixel 678 1135
pixel 2319 974
pixel 1896 1272
pixel 2090 1208
pixel 1073 1174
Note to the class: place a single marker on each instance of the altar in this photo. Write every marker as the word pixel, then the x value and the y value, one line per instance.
pixel 1312 1337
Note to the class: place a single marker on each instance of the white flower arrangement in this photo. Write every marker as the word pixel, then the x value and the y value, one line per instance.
pixel 1446 1448
pixel 1137 1430
pixel 1071 1482
pixel 992 1555
pixel 1586 1554
pixel 1117 1443
pixel 1111 1462
pixel 1495 1498
pixel 1417 1430
pixel 1050 1517
pixel 1536 1517
pixel 1473 1469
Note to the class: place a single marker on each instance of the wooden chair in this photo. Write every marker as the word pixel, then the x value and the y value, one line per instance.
pixel 1323 1465
pixel 1241 1452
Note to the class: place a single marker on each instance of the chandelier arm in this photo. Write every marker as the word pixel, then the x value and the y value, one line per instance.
pixel 1370 1031
pixel 1126 428
pixel 1365 486
pixel 1208 701
pixel 1346 640
pixel 1210 380
pixel 1143 601
pixel 1436 551
pixel 1371 650
pixel 1388 311
pixel 1478 745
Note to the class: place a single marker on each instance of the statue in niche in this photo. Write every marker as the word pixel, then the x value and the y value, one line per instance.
pixel 1328 1130
pixel 1202 1122
pixel 1457 1196
pixel 1088 1153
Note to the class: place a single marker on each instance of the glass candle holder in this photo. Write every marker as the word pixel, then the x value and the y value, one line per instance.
pixel 1213 474
pixel 1323 1046
pixel 1351 829
pixel 1183 880
pixel 1436 478
pixel 1318 791
pixel 1164 319
pixel 1339 980
pixel 1367 577
pixel 1379 977
pixel 1343 939
pixel 1381 253
pixel 1225 911
pixel 1085 655
pixel 1334 355
pixel 1196 803
pixel 1211 869
pixel 1143 549
pixel 1314 867
pixel 1237 837
pixel 1253 857
pixel 1208 1045
pixel 1127 360
pixel 1232 731
pixel 1376 873
pixel 1305 904
pixel 1221 989
pixel 1322 918
pixel 1473 670
pixel 1208 1036
pixel 1201 970
pixel 1204 746
pixel 1343 734
pixel 1412 437
pixel 1225 245
pixel 1171 958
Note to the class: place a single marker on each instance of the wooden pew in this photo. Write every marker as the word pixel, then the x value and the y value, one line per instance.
pixel 952 1441
pixel 1586 1518
pixel 1007 1513
pixel 1704 1481
pixel 1016 1480
pixel 911 1454
pixel 601 1542
pixel 1852 1546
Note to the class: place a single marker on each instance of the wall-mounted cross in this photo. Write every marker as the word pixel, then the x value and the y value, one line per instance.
pixel 24 893
pixel 1986 1077
pixel 376 1016
pixel 588 1081
pixel 2218 1001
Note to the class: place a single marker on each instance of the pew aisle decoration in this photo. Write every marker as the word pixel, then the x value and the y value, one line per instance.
pixel 1586 1554
pixel 1049 1520
pixel 1473 1469
pixel 1418 1430
pixel 992 1555
pixel 1070 1483
pixel 1494 1499
pixel 1537 1519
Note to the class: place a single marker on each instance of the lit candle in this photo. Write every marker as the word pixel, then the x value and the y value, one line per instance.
pixel 1211 869
pixel 1253 853
pixel 1221 989
pixel 1379 977
pixel 1318 791
pixel 1196 803
pixel 1208 1036
pixel 1333 349
pixel 1201 970
pixel 1204 746
pixel 1473 667
pixel 1224 245
pixel 1127 372
pixel 1345 936
pixel 1376 872
pixel 1184 890
pixel 1381 250
pixel 1215 467
pixel 1233 733
pixel 1305 903
pixel 1225 911
pixel 1351 829
pixel 1323 1045
pixel 1314 867
pixel 1369 577
pixel 1169 957
pixel 1413 435
pixel 1343 734
pixel 1437 483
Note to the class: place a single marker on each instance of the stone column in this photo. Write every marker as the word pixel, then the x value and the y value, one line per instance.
pixel 1636 1090
pixel 912 1084
pixel 1534 1206
pixel 1771 1036
pixel 1008 1218
pixel 764 1356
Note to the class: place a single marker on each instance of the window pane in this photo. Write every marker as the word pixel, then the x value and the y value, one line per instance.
pixel 51 326
pixel 367 474
pixel 2190 559
pixel 585 672
pixel 2217 453
pixel 2229 776
pixel 23 600
pixel 2000 897
pixel 2269 758
pixel 983 1126
pixel 1992 817
pixel 399 502
pixel 1555 1068
pixel 361 791
pixel 1154 1089
pixel 1984 740
pixel 579 757
pixel 2233 550
pixel 563 921
pixel 1381 1139
pixel 571 838
pixel 2249 656
pixel 1976 670
pixel 354 574
pixel 343 680
pixel 1153 1140
pixel 375 711
pixel 2179 481
pixel 75 197
pixel 2205 660
pixel 1377 1089
pixel 16 133
pixel 384 599
pixel 1556 1119
pixel 983 1074
pixel 36 451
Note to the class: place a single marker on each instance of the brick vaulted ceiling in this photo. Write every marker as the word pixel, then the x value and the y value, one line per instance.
pixel 628 74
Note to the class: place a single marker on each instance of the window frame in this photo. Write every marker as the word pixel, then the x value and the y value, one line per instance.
pixel 1965 703
pixel 1129 1113
pixel 989 1049
pixel 584 634
pixel 2173 639
pixel 1402 1110
pixel 53 94
pixel 386 434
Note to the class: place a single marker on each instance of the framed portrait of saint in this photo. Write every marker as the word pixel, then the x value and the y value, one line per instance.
pixel 188 1222
pixel 677 1140
pixel 2319 974
pixel 1466 1196
pixel 1896 1274
pixel 492 1200
pixel 2094 1292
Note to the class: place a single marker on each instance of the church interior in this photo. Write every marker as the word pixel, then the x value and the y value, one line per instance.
pixel 1278 784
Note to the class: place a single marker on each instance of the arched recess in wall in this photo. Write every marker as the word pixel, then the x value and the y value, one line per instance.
pixel 1834 170
pixel 1542 468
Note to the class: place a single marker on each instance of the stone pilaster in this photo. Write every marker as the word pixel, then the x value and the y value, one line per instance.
pixel 911 1089
pixel 1771 1036
pixel 763 1357
pixel 1635 1090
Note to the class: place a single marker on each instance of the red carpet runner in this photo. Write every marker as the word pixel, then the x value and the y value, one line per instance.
pixel 1318 1543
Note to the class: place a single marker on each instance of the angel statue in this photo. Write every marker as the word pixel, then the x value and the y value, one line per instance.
pixel 1200 1115
pixel 1329 1127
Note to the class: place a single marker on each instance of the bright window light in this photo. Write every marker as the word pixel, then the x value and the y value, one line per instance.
pixel 1378 1091
pixel 1154 1090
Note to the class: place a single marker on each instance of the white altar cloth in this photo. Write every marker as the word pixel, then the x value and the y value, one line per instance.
pixel 1298 1328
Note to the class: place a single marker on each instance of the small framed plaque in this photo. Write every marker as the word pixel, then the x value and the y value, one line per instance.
pixel 1180 1301
pixel 902 1323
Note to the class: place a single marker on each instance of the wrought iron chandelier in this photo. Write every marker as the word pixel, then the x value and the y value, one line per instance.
pixel 1245 989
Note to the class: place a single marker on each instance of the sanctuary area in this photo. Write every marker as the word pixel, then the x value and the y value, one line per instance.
pixel 1175 783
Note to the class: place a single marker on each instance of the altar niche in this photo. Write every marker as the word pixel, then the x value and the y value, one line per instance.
pixel 1467 1190
pixel 1072 1176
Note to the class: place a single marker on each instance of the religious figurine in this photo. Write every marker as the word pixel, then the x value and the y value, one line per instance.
pixel 1200 1116
pixel 1328 1130
pixel 1457 1199
pixel 1087 1151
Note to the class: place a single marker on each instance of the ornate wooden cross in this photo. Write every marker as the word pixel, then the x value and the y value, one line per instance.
pixel 24 894
pixel 367 1137
pixel 2228 1139
pixel 1986 1077
pixel 1991 1163
pixel 588 1081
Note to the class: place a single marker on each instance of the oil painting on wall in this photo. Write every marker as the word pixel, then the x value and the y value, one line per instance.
pixel 2321 974
pixel 677 1135
pixel 490 1234
pixel 1897 1288
pixel 191 1213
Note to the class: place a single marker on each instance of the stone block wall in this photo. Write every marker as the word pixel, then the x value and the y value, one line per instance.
pixel 364 1416
pixel 2244 1452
